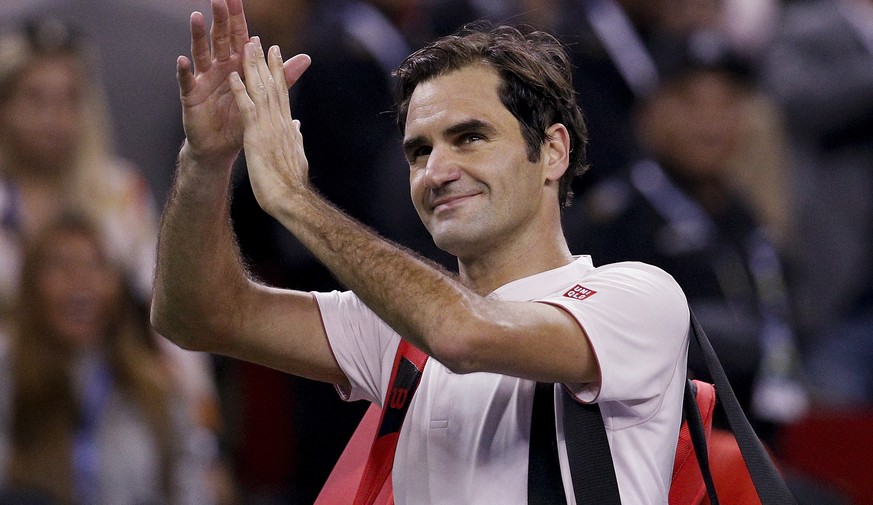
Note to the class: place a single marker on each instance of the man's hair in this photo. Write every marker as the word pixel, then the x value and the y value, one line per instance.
pixel 536 84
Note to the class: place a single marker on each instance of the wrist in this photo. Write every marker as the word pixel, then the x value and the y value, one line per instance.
pixel 203 174
pixel 190 155
pixel 296 205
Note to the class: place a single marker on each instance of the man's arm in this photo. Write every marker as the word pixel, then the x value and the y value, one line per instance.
pixel 203 298
pixel 461 329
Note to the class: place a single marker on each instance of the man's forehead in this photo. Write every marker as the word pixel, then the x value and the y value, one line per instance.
pixel 485 75
pixel 458 96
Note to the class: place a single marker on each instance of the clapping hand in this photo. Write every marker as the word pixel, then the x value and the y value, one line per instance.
pixel 273 144
pixel 213 127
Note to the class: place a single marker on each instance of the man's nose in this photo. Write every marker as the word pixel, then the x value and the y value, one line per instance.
pixel 442 167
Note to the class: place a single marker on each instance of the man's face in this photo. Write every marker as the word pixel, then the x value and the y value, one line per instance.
pixel 470 178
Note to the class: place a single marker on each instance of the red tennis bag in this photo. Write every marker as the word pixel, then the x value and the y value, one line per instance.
pixel 362 473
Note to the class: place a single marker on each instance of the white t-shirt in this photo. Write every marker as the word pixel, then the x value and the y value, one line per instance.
pixel 466 437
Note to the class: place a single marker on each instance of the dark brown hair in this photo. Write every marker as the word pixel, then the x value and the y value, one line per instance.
pixel 536 84
pixel 45 408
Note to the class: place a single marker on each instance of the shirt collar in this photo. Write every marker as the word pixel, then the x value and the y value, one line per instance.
pixel 544 283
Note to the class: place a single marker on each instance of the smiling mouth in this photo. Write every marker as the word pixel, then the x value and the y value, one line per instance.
pixel 448 202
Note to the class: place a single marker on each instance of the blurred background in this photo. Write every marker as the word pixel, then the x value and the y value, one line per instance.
pixel 731 143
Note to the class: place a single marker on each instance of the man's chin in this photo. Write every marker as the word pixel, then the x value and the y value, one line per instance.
pixel 456 242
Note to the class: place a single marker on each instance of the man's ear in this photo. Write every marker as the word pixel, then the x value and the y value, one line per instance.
pixel 556 152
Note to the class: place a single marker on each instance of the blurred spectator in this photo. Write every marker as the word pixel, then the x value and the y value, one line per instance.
pixel 135 68
pixel 678 210
pixel 611 43
pixel 92 415
pixel 615 45
pixel 54 154
pixel 820 69
pixel 422 21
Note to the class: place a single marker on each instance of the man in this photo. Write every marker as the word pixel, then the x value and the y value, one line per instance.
pixel 487 181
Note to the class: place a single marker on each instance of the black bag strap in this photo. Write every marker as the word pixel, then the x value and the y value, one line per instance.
pixel 544 486
pixel 591 465
pixel 698 438
pixel 585 435
pixel 768 482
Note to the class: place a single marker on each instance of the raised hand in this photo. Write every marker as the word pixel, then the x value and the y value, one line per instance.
pixel 273 144
pixel 209 112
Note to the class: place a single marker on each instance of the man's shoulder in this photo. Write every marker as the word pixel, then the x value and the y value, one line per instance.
pixel 636 269
pixel 640 284
pixel 581 276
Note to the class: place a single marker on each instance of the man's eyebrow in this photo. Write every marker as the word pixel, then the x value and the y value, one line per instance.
pixel 469 125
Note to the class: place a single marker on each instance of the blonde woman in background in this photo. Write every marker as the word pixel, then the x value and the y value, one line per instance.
pixel 55 154
pixel 55 157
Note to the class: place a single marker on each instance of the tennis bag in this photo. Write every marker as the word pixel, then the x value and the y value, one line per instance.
pixel 709 462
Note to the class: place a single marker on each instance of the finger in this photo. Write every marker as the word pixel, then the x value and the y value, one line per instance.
pixel 263 68
pixel 184 75
pixel 199 43
pixel 264 74
pixel 277 71
pixel 280 109
pixel 254 84
pixel 243 101
pixel 220 30
pixel 239 30
pixel 272 90
pixel 293 152
pixel 293 141
pixel 295 67
pixel 249 64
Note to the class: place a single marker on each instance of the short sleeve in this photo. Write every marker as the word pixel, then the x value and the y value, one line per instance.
pixel 636 319
pixel 363 345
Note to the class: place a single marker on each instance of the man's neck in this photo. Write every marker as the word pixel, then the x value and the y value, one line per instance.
pixel 484 274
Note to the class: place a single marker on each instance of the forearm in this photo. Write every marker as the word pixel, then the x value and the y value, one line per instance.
pixel 431 309
pixel 198 271
pixel 411 294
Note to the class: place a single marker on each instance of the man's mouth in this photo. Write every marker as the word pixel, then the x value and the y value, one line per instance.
pixel 450 201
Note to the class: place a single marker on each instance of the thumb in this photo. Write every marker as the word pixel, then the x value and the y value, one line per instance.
pixel 294 68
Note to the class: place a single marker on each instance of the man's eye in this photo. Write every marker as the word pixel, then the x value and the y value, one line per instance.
pixel 418 152
pixel 472 137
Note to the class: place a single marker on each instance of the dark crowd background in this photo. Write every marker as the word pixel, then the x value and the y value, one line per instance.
pixel 731 143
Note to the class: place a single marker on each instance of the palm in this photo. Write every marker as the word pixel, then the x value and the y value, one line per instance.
pixel 212 122
pixel 210 115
